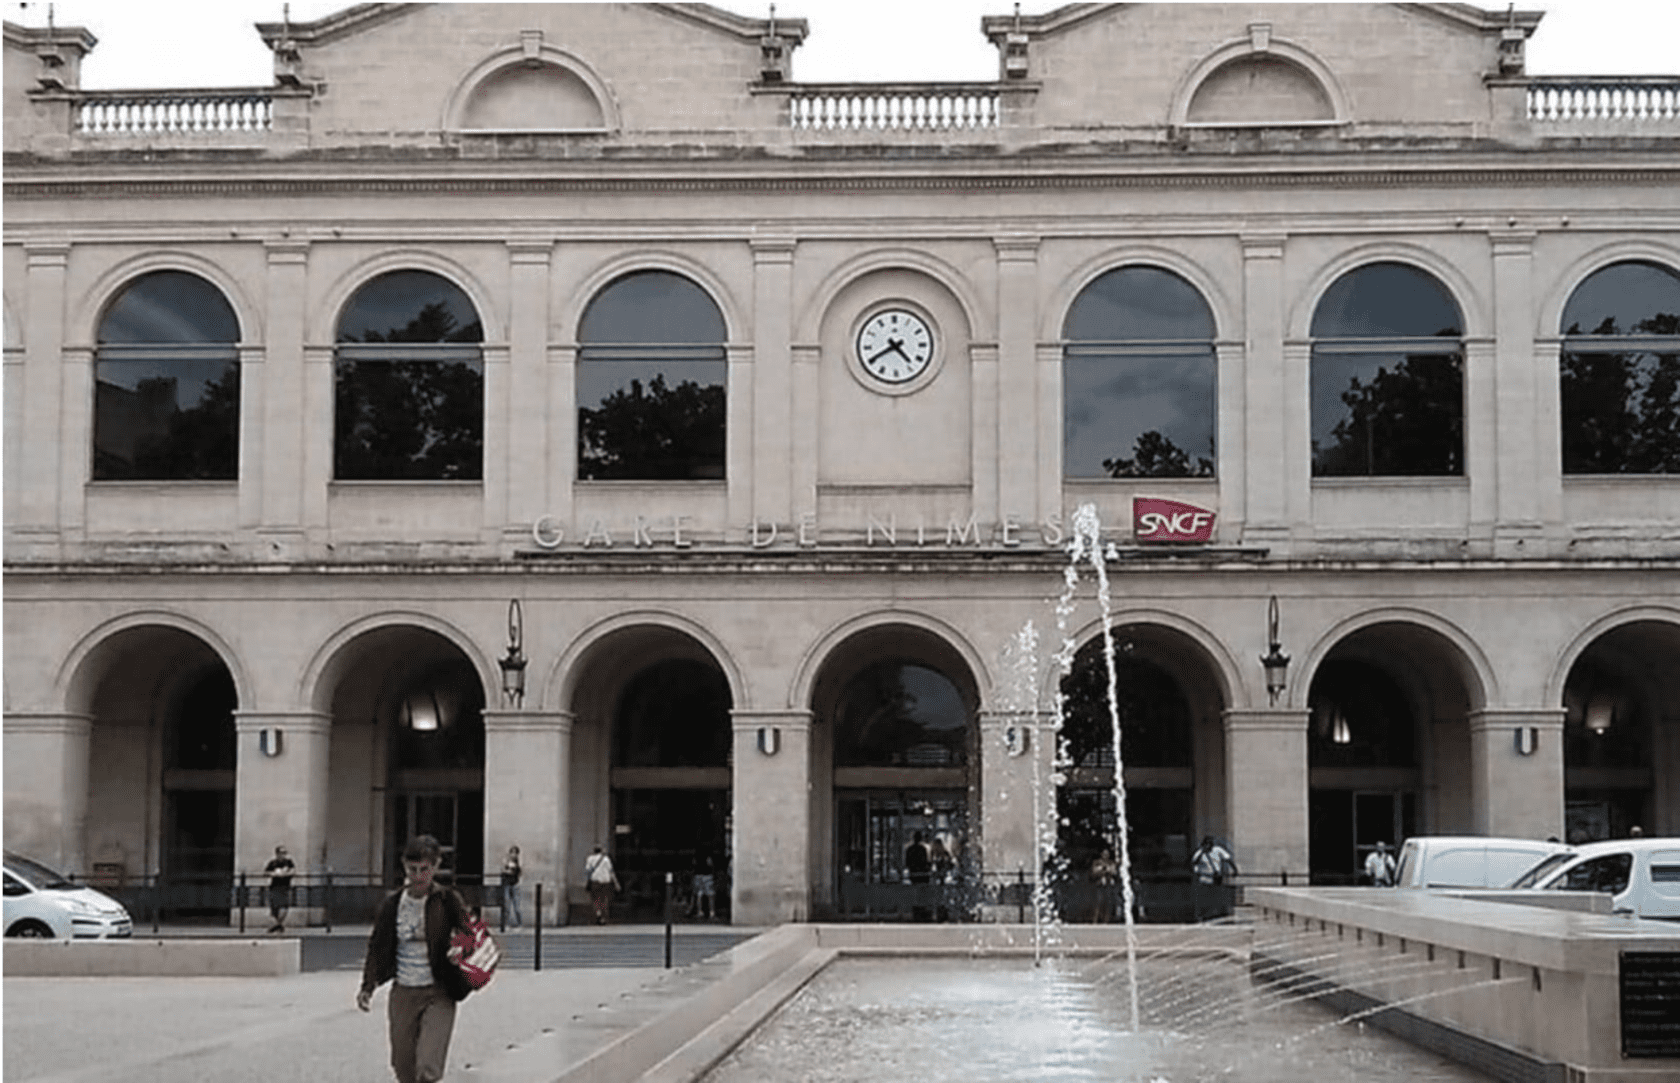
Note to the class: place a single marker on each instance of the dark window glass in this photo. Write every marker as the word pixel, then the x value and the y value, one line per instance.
pixel 440 721
pixel 202 731
pixel 1608 874
pixel 1620 372
pixel 1138 376
pixel 1359 718
pixel 651 382
pixel 1154 715
pixel 899 715
pixel 166 383
pixel 409 396
pixel 674 714
pixel 1387 376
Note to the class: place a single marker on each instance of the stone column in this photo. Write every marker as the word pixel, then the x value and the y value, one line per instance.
pixel 1269 470
pixel 1266 790
pixel 37 475
pixel 47 786
pixel 528 458
pixel 1517 436
pixel 1017 794
pixel 771 849
pixel 281 793
pixel 316 457
pixel 1512 793
pixel 1480 442
pixel 527 792
pixel 772 436
pixel 807 402
pixel 278 483
pixel 1015 456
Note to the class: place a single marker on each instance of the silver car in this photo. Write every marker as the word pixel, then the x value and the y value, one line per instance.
pixel 43 903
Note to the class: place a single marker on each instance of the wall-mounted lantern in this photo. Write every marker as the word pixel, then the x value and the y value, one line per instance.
pixel 1275 661
pixel 513 664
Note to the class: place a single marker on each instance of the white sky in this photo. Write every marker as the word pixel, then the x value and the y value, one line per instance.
pixel 143 43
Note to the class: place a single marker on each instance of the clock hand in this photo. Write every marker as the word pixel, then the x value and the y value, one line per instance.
pixel 892 344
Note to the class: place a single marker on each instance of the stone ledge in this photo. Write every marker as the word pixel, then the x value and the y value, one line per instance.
pixel 221 957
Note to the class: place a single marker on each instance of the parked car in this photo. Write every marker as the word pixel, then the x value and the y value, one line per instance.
pixel 43 903
pixel 1468 861
pixel 1642 876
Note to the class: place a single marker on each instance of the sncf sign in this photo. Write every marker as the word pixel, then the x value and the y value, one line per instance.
pixel 1157 520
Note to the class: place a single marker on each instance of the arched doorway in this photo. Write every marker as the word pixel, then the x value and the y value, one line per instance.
pixel 898 707
pixel 1171 746
pixel 162 763
pixel 1620 750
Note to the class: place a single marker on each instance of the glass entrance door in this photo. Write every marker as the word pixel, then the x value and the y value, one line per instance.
pixel 881 874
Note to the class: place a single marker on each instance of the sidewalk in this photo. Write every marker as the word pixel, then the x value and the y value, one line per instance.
pixel 306 1029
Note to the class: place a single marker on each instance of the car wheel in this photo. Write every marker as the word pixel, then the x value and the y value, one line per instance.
pixel 32 929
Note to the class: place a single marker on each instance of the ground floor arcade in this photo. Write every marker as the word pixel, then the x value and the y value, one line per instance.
pixel 799 728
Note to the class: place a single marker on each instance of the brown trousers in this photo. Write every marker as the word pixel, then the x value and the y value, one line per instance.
pixel 422 1019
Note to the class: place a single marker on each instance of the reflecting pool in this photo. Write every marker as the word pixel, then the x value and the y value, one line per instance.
pixel 945 1020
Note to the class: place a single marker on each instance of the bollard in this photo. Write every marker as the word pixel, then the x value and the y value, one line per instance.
pixel 536 933
pixel 1021 896
pixel 244 895
pixel 667 921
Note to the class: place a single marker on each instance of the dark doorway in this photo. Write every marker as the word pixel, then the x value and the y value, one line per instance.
pixel 200 761
pixel 670 831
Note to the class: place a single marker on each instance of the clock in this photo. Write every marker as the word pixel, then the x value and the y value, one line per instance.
pixel 895 346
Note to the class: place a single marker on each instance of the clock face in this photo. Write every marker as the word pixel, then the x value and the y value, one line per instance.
pixel 895 346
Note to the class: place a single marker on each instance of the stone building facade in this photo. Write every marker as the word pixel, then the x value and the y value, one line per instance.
pixel 753 418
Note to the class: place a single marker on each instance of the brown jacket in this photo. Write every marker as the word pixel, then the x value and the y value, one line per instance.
pixel 445 913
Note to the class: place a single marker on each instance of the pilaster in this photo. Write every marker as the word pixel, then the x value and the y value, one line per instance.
pixel 1516 773
pixel 1269 469
pixel 1017 759
pixel 527 452
pixel 281 782
pixel 276 478
pixel 1016 413
pixel 1518 443
pixel 772 376
pixel 46 775
pixel 771 844
pixel 38 503
pixel 1266 789
pixel 528 772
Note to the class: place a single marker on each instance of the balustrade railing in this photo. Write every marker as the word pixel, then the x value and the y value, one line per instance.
pixel 171 112
pixel 1631 98
pixel 893 107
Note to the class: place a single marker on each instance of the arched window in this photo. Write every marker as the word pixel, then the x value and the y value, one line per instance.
pixel 166 383
pixel 1620 372
pixel 651 381
pixel 1387 376
pixel 409 401
pixel 1138 376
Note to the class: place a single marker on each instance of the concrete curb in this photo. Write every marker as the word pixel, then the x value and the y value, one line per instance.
pixel 214 957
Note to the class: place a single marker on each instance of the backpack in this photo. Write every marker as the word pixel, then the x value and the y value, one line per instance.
pixel 475 953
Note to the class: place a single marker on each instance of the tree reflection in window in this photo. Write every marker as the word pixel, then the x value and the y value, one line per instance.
pixel 651 382
pixel 1620 372
pixel 1154 714
pixel 896 714
pixel 674 714
pixel 1138 376
pixel 166 383
pixel 1387 376
pixel 409 401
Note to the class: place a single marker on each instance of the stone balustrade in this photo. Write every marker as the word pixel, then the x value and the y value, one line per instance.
pixel 1614 99
pixel 170 112
pixel 893 107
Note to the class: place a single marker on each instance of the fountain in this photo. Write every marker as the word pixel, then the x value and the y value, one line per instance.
pixel 1515 992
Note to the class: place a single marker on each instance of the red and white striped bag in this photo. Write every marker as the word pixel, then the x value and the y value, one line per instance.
pixel 475 952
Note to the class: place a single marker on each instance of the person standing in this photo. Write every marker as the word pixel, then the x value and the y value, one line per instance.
pixel 409 946
pixel 602 880
pixel 1104 872
pixel 511 870
pixel 1210 866
pixel 280 870
pixel 705 889
pixel 1379 866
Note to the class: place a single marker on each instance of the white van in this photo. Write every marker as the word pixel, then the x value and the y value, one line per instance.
pixel 1470 861
pixel 1641 876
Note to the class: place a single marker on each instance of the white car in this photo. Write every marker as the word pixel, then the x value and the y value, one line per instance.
pixel 42 903
pixel 1468 861
pixel 1641 876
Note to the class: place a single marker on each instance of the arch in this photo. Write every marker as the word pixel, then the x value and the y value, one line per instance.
pixel 1473 668
pixel 1067 291
pixel 1472 305
pixel 1557 294
pixel 1259 47
pixel 534 55
pixel 90 309
pixel 1214 653
pixel 808 322
pixel 568 316
pixel 811 664
pixel 70 684
pixel 322 322
pixel 1608 622
pixel 320 674
pixel 561 683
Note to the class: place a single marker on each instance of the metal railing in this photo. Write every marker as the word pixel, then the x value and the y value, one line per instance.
pixel 171 112
pixel 242 899
pixel 893 107
pixel 1615 98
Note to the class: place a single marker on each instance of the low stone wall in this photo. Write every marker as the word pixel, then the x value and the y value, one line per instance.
pixel 1519 992
pixel 212 957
